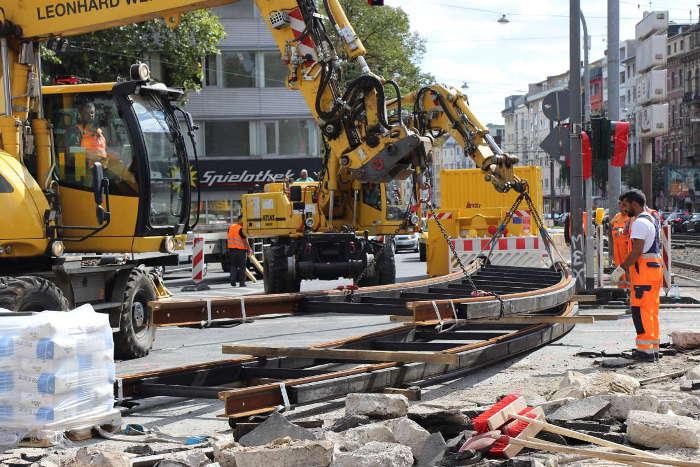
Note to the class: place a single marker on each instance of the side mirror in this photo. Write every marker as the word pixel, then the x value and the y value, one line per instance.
pixel 98 176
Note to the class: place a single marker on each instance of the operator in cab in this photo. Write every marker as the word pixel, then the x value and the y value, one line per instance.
pixel 87 134
pixel 237 252
pixel 643 269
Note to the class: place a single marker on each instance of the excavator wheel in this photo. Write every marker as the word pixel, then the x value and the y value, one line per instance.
pixel 277 278
pixel 31 293
pixel 136 329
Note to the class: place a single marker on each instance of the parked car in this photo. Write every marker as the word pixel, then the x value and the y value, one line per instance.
pixel 676 220
pixel 693 223
pixel 407 242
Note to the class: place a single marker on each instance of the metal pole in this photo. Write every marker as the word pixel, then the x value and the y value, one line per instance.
pixel 6 87
pixel 614 173
pixel 590 255
pixel 551 177
pixel 577 240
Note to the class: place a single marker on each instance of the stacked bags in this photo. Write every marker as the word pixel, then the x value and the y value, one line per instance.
pixel 56 369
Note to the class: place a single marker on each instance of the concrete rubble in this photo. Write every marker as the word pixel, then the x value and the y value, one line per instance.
pixel 376 405
pixel 685 339
pixel 656 430
pixel 375 454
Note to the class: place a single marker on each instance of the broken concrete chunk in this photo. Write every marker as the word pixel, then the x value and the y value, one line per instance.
pixel 189 458
pixel 285 452
pixel 355 438
pixel 375 454
pixel 432 452
pixel 408 433
pixel 89 457
pixel 678 403
pixel 581 409
pixel 578 385
pixel 685 339
pixel 274 427
pixel 376 405
pixel 693 373
pixel 622 404
pixel 656 430
pixel 349 421
pixel 222 447
pixel 690 385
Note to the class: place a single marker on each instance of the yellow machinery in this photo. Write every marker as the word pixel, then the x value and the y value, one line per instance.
pixel 101 169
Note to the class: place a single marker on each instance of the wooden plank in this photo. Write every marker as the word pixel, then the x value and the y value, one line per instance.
pixel 343 354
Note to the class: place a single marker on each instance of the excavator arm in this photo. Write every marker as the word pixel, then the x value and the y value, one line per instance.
pixel 438 110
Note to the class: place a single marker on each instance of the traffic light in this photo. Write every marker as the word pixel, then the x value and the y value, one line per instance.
pixel 375 2
pixel 609 140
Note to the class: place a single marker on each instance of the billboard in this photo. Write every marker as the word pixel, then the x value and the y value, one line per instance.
pixel 683 182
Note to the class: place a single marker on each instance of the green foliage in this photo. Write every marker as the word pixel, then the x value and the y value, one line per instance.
pixel 393 51
pixel 106 55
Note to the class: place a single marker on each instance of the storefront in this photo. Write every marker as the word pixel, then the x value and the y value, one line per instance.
pixel 223 181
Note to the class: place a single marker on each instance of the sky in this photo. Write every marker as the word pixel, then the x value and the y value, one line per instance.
pixel 465 43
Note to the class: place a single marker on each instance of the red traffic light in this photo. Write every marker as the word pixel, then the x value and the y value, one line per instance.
pixel 375 2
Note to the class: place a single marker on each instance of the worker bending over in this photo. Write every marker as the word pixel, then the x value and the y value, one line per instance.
pixel 619 237
pixel 643 268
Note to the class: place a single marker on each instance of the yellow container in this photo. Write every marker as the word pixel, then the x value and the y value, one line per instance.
pixel 470 207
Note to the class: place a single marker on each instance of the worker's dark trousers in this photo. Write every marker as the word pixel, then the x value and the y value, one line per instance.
pixel 237 258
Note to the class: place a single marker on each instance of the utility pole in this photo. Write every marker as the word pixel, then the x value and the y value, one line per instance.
pixel 614 173
pixel 576 216
pixel 590 256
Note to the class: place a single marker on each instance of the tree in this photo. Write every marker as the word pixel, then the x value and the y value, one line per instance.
pixel 107 55
pixel 393 51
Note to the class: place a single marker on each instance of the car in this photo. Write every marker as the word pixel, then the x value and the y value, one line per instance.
pixel 676 220
pixel 407 242
pixel 693 223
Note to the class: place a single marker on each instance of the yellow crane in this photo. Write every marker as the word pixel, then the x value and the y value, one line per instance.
pixel 93 174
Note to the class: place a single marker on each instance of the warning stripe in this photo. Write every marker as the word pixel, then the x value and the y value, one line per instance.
pixel 472 245
pixel 198 259
pixel 306 47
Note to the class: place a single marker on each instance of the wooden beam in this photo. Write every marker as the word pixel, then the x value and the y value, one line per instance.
pixel 343 354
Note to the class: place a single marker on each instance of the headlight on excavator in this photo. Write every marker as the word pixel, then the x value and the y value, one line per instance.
pixel 169 244
pixel 58 248
pixel 309 222
pixel 140 72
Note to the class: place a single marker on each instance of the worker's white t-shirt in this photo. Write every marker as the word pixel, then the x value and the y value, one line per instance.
pixel 643 229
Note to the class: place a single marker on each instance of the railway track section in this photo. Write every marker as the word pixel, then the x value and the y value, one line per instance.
pixel 442 331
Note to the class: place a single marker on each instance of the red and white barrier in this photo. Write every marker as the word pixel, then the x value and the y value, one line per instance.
pixel 197 259
pixel 666 257
pixel 443 216
pixel 525 251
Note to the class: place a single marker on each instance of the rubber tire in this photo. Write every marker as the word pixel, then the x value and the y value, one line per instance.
pixel 31 293
pixel 385 267
pixel 129 342
pixel 276 279
pixel 423 252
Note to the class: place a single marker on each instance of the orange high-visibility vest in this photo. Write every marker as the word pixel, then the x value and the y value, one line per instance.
pixel 92 139
pixel 235 240
pixel 619 226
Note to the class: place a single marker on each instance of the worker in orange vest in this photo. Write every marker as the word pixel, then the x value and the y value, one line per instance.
pixel 237 252
pixel 88 135
pixel 643 268
pixel 567 226
pixel 619 233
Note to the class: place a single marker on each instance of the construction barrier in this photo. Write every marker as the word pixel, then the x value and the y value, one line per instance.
pixel 666 257
pixel 197 259
pixel 527 251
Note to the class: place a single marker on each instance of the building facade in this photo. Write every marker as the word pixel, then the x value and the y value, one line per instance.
pixel 252 129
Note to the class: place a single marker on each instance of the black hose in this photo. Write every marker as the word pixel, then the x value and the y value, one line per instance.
pixel 398 97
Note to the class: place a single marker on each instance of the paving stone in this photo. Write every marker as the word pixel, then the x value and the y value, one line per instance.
pixel 376 405
pixel 433 451
pixel 582 409
pixel 375 454
pixel 408 433
pixel 685 339
pixel 656 430
pixel 285 452
pixel 274 427
pixel 349 421
pixel 89 457
pixel 622 404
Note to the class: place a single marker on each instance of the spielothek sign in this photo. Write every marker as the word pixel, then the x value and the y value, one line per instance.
pixel 227 174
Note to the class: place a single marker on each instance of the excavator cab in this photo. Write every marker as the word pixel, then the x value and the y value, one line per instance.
pixel 130 132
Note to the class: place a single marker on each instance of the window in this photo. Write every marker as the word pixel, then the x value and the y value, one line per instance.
pixel 275 70
pixel 242 9
pixel 622 77
pixel 238 69
pixel 211 70
pixel 289 137
pixel 675 47
pixel 682 43
pixel 5 186
pixel 226 138
pixel 673 80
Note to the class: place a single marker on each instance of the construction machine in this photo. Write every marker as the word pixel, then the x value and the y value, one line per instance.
pixel 95 179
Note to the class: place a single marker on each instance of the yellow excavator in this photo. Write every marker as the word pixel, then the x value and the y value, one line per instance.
pixel 95 178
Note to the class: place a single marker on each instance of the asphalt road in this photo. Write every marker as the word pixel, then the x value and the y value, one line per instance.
pixel 181 346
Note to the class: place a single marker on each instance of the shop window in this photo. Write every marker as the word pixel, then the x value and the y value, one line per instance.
pixel 275 70
pixel 226 138
pixel 238 69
